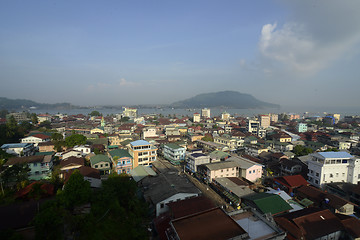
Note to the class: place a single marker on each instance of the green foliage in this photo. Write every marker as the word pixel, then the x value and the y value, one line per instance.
pixel 97 151
pixel 301 150
pixel 76 191
pixel 75 139
pixel 45 124
pixel 49 222
pixel 207 139
pixel 124 119
pixel 95 114
pixel 34 118
pixel 3 113
pixel 332 150
pixel 15 174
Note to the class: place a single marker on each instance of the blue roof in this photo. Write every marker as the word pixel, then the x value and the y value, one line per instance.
pixel 15 145
pixel 335 154
pixel 140 143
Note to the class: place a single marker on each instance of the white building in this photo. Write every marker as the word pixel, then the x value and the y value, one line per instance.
pixel 193 160
pixel 36 139
pixel 149 132
pixel 205 113
pixel 328 167
pixel 196 117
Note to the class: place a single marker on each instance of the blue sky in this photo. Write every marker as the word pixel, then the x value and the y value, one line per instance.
pixel 300 53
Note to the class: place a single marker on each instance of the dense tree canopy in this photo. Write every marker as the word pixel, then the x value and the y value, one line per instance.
pixel 301 150
pixel 75 139
pixel 95 114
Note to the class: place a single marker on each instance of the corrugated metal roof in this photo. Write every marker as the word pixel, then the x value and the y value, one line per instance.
pixel 139 143
pixel 335 155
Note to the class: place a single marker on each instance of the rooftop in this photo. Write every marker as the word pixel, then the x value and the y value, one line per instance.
pixel 335 155
pixel 139 143
pixel 211 224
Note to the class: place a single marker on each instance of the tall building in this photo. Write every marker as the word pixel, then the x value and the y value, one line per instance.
pixel 129 112
pixel 264 121
pixel 143 153
pixel 328 167
pixel 336 116
pixel 253 126
pixel 205 113
pixel 301 127
pixel 196 117
pixel 225 116
pixel 274 117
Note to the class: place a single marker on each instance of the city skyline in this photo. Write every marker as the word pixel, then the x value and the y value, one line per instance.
pixel 159 52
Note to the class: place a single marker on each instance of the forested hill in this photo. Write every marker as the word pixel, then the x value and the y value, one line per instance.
pixel 17 104
pixel 227 99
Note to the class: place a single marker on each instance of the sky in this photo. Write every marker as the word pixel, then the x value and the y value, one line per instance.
pixel 87 52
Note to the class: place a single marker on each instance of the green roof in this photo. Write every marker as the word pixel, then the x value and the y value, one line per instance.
pixel 218 154
pixel 269 203
pixel 99 158
pixel 44 153
pixel 173 146
pixel 119 153
pixel 126 142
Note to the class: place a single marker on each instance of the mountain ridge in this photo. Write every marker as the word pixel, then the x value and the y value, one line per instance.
pixel 227 99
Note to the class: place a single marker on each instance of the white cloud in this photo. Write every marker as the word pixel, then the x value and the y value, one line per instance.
pixel 123 82
pixel 315 38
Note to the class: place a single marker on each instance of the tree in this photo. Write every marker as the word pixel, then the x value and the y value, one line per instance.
pixel 301 150
pixel 77 191
pixel 46 124
pixel 17 173
pixel 124 119
pixel 75 139
pixel 95 114
pixel 34 118
pixel 207 138
pixel 57 137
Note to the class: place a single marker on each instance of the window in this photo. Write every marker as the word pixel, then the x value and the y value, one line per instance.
pixel 106 164
pixel 338 161
pixel 96 166
pixel 331 175
pixel 249 172
pixel 316 181
pixel 162 205
pixel 35 164
pixel 337 174
pixel 317 174
pixel 253 171
pixel 344 161
pixel 101 165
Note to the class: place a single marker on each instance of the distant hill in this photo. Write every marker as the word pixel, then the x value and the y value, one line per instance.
pixel 23 104
pixel 226 99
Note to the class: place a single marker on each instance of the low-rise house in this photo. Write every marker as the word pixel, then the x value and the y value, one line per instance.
pixel 71 153
pixel 210 224
pixel 324 199
pixel 90 174
pixel 85 149
pixel 122 161
pixel 40 166
pixel 165 188
pixel 97 130
pixel 19 149
pixel 255 150
pixel 71 163
pixel 114 140
pixel 102 163
pixel 149 132
pixel 267 203
pixel 46 146
pixel 289 183
pixel 232 143
pixel 193 160
pixel 174 153
pixel 248 169
pixel 291 167
pixel 311 223
pixel 36 139
pixel 219 170
pixel 217 156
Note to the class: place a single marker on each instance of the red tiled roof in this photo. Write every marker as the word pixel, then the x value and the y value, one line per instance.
pixel 292 181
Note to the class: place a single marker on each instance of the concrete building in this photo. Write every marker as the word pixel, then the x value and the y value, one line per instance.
pixel 232 143
pixel 264 121
pixel 143 153
pixel 205 113
pixel 193 160
pixel 253 126
pixel 36 139
pixel 40 166
pixel 19 149
pixel 225 116
pixel 220 170
pixel 196 117
pixel 301 127
pixel 149 132
pixel 174 153
pixel 328 167
pixel 122 161
pixel 274 117
pixel 250 170
pixel 129 112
